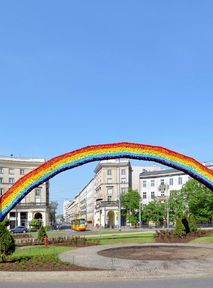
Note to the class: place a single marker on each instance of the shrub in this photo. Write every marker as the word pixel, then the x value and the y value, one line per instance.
pixel 192 224
pixel 7 243
pixel 179 228
pixel 42 233
pixel 34 225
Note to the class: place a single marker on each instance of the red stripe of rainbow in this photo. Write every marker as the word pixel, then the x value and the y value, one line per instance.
pixel 99 152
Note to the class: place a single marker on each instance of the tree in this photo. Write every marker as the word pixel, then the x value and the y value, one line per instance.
pixel 130 202
pixel 179 228
pixel 200 200
pixel 34 224
pixel 7 243
pixel 41 233
pixel 155 211
pixel 53 205
pixel 178 204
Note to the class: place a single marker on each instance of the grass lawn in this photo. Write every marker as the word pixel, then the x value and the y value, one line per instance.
pixel 40 250
pixel 39 258
pixel 203 240
pixel 125 239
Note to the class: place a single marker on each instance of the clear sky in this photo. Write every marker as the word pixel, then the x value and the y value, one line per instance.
pixel 75 73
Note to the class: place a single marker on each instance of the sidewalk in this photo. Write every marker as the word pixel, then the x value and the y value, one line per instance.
pixel 116 269
pixel 88 257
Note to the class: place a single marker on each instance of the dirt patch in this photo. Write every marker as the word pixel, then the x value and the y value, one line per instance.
pixel 158 253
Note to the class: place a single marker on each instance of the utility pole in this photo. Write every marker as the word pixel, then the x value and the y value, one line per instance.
pixel 139 213
pixel 119 195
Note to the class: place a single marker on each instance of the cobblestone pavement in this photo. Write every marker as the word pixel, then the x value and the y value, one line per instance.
pixel 88 257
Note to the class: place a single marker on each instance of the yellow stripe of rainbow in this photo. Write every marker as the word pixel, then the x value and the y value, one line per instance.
pixel 99 152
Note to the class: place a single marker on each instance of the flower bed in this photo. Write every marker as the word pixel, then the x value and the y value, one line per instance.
pixel 166 236
pixel 65 241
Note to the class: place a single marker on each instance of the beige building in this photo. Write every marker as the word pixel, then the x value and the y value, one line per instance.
pixel 35 204
pixel 98 201
pixel 112 178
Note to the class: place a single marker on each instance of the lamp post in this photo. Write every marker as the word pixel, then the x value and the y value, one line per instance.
pixel 140 213
pixel 119 200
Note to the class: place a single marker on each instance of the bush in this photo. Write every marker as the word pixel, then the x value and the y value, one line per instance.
pixel 42 233
pixel 179 228
pixel 34 225
pixel 192 224
pixel 7 243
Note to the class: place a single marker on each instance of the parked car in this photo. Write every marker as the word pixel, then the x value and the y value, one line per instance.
pixel 19 229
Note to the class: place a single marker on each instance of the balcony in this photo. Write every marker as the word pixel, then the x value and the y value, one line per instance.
pixel 31 205
pixel 106 204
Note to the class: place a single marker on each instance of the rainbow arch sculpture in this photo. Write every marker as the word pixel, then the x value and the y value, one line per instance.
pixel 92 153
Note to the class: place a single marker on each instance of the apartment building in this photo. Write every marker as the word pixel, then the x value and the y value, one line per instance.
pixel 98 201
pixel 66 215
pixel 33 205
pixel 159 183
pixel 112 178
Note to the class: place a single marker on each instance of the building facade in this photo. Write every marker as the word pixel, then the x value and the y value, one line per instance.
pixel 98 201
pixel 33 205
pixel 160 183
pixel 112 177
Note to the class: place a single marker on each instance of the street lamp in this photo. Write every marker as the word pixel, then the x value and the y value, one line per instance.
pixel 119 200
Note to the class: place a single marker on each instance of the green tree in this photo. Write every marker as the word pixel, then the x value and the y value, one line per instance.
pixel 192 223
pixel 53 205
pixel 200 200
pixel 178 204
pixel 179 228
pixel 7 243
pixel 41 233
pixel 34 224
pixel 155 211
pixel 130 202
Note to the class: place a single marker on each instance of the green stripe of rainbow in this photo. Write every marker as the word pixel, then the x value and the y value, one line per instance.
pixel 99 152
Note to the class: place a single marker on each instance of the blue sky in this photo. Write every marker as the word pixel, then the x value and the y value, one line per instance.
pixel 75 73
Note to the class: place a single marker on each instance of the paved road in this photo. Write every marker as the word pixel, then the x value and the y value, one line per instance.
pixel 168 283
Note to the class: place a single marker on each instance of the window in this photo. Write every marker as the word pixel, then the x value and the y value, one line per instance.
pixel 11 171
pixel 123 190
pixel 11 180
pixel 109 180
pixel 1 191
pixel 171 181
pixel 37 192
pixel 144 195
pixel 109 172
pixel 109 194
pixel 152 195
pixel 37 195
pixel 144 183
pixel 162 193
pixel 123 180
pixel 109 191
pixel 21 171
pixel 123 171
pixel 152 183
pixel 162 181
pixel 180 180
pixel 1 180
pixel 1 170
